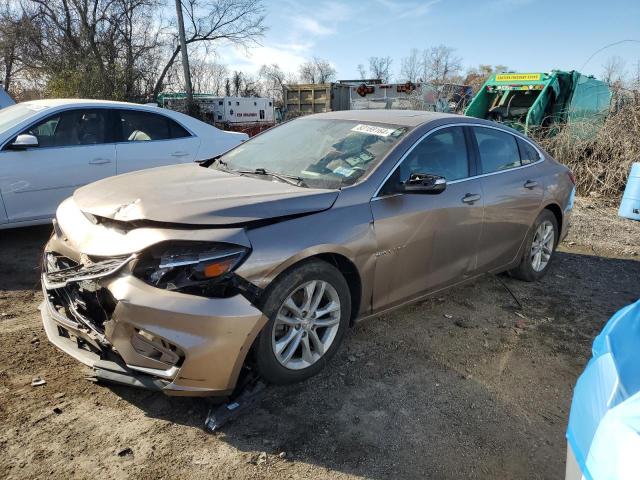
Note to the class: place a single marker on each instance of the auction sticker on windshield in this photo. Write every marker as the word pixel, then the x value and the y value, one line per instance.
pixel 373 130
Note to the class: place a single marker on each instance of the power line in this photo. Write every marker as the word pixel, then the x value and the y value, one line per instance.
pixel 604 48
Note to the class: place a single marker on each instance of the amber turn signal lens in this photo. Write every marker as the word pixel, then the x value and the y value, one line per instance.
pixel 216 269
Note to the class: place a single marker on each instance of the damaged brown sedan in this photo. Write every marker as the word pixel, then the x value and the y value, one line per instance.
pixel 175 278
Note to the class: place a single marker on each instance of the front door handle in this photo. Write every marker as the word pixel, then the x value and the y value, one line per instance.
pixel 470 198
pixel 99 161
pixel 530 184
pixel 179 154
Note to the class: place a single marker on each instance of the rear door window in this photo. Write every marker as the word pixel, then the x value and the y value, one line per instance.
pixel 498 150
pixel 528 154
pixel 138 126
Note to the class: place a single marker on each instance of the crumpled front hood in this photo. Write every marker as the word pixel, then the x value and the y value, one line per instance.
pixel 191 194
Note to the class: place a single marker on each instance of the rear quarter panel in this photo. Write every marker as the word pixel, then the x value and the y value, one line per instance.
pixel 559 190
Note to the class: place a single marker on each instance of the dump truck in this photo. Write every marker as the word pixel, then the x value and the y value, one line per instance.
pixel 526 101
pixel 306 98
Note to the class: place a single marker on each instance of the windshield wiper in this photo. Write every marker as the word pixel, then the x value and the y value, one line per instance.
pixel 218 164
pixel 210 161
pixel 283 177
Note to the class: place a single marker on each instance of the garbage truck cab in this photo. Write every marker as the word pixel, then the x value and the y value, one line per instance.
pixel 525 101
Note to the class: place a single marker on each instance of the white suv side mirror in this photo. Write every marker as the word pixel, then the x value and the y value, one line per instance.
pixel 23 141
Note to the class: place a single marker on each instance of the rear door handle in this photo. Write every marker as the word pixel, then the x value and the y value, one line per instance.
pixel 530 184
pixel 99 161
pixel 179 154
pixel 470 198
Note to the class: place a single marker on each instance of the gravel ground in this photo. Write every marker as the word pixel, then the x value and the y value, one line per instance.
pixel 464 385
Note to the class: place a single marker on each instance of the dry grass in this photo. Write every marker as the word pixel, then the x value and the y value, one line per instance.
pixel 601 158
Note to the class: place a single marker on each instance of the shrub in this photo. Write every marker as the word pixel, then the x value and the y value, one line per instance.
pixel 600 158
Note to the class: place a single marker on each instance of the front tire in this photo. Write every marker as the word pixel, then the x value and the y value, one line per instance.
pixel 308 309
pixel 539 248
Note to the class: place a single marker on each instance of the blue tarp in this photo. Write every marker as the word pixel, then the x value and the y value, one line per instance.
pixel 604 423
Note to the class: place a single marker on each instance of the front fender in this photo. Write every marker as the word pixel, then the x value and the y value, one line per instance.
pixel 345 231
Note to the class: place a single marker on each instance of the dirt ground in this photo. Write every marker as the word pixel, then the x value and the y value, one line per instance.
pixel 464 385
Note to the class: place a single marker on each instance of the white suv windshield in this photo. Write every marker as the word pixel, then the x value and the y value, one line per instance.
pixel 320 153
pixel 14 114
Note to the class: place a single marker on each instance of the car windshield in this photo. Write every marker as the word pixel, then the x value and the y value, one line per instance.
pixel 318 153
pixel 11 116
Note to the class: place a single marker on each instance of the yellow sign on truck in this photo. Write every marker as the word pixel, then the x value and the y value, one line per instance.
pixel 518 77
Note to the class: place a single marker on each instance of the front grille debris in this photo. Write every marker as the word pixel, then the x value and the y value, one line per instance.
pixel 60 271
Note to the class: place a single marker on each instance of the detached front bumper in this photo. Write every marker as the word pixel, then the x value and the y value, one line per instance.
pixel 152 338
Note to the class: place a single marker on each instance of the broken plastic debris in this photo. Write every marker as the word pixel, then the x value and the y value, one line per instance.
pixel 218 416
pixel 125 452
pixel 37 381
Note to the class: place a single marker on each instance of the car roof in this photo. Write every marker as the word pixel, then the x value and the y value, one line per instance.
pixel 406 118
pixel 80 102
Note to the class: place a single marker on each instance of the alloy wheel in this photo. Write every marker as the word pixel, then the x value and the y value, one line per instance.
pixel 542 246
pixel 306 325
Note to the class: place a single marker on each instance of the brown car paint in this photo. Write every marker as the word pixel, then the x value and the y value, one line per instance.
pixel 395 248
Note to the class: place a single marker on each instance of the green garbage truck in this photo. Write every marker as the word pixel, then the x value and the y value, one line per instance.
pixel 527 101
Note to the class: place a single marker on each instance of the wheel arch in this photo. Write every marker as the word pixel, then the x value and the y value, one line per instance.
pixel 341 261
pixel 557 212
pixel 351 274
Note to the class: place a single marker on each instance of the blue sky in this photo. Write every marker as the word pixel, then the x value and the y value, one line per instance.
pixel 525 35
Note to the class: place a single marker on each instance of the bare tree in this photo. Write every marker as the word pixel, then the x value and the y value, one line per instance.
pixel 475 77
pixel 94 48
pixel 440 64
pixel 207 76
pixel 236 82
pixel 251 86
pixel 326 72
pixel 307 71
pixel 139 32
pixel 362 71
pixel 410 69
pixel 240 22
pixel 273 78
pixel 379 67
pixel 14 27
pixel 613 70
pixel 317 70
pixel 635 77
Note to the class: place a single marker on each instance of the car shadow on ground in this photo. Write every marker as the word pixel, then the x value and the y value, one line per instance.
pixel 20 254
pixel 466 384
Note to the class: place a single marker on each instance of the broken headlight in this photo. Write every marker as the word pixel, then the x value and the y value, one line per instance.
pixel 192 267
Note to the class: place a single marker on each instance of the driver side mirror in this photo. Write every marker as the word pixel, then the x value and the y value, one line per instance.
pixel 24 141
pixel 424 183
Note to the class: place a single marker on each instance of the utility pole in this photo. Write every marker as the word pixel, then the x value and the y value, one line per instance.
pixel 185 58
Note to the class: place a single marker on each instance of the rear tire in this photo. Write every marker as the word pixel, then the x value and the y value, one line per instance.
pixel 539 248
pixel 308 308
